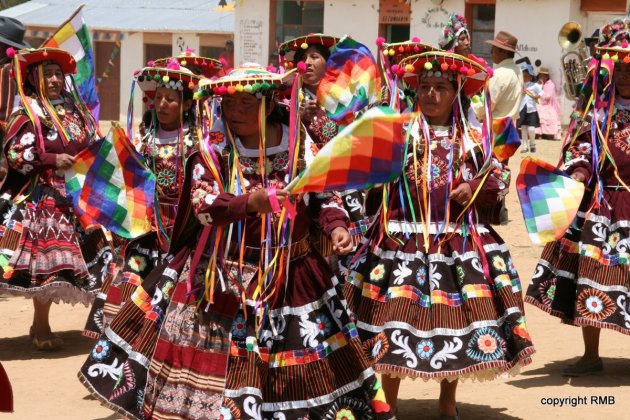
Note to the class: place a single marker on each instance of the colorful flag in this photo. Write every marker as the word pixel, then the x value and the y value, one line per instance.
pixel 352 81
pixel 369 151
pixel 110 186
pixel 506 138
pixel 74 37
pixel 549 199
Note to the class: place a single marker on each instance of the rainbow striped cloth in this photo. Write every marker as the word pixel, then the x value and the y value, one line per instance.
pixel 110 186
pixel 506 138
pixel 367 152
pixel 74 37
pixel 549 199
pixel 351 82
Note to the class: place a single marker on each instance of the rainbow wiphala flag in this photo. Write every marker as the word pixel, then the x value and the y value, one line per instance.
pixel 369 151
pixel 352 81
pixel 110 186
pixel 506 138
pixel 549 199
pixel 74 37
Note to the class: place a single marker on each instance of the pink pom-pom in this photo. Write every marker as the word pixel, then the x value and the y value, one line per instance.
pixel 150 63
pixel 223 90
pixel 395 68
pixel 301 67
pixel 189 51
pixel 135 72
pixel 380 41
pixel 223 61
pixel 416 49
pixel 272 69
pixel 463 70
pixel 490 71
pixel 173 64
pixel 10 52
pixel 150 105
pixel 415 39
pixel 624 44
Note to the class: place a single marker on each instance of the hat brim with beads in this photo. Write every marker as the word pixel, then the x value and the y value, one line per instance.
pixel 27 57
pixel 149 79
pixel 248 78
pixel 398 51
pixel 287 49
pixel 209 66
pixel 445 64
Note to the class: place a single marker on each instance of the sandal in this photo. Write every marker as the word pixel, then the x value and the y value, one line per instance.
pixel 446 417
pixel 48 344
pixel 578 370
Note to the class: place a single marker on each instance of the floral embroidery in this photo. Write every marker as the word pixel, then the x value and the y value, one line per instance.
pixel 100 350
pixel 511 267
pixel 198 172
pixel 594 304
pixel 377 272
pixel 344 414
pixel 166 152
pixel 216 137
pixel 27 139
pixel 329 129
pixel 166 177
pixel 239 327
pixel 137 263
pixel 323 324
pixel 12 155
pixel 460 274
pixel 74 128
pixel 281 161
pixel 421 275
pixel 614 239
pixel 499 263
pixel 584 148
pixel 52 135
pixel 425 349
pixel 485 345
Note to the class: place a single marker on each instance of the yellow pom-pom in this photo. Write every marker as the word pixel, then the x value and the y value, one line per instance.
pixel 475 99
pixel 391 52
pixel 615 58
pixel 304 46
pixel 428 66
pixel 606 56
pixel 184 62
pixel 165 79
pixel 239 88
pixel 409 68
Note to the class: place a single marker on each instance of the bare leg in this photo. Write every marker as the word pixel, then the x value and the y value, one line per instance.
pixel 532 138
pixel 448 403
pixel 591 345
pixel 390 388
pixel 41 325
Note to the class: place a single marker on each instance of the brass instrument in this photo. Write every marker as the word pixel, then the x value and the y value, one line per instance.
pixel 575 60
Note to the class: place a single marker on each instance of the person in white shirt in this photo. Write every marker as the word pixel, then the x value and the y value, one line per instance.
pixel 528 119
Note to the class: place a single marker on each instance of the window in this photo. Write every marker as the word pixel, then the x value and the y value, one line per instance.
pixel 480 19
pixel 295 18
pixel 603 5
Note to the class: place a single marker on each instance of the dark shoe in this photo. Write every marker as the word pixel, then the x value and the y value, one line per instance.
pixel 578 370
pixel 503 217
pixel 532 149
pixel 455 417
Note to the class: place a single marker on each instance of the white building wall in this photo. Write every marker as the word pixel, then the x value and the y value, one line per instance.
pixel 251 32
pixel 428 18
pixel 357 18
pixel 183 41
pixel 131 59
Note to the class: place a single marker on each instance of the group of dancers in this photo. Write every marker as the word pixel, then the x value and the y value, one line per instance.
pixel 226 310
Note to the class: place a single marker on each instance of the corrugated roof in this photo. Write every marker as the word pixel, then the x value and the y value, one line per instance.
pixel 129 15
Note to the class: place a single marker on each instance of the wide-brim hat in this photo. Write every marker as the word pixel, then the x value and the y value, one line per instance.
pixel 209 67
pixel 543 70
pixel 149 79
pixel 26 57
pixel 437 63
pixel 395 52
pixel 614 40
pixel 287 49
pixel 250 78
pixel 505 41
pixel 12 33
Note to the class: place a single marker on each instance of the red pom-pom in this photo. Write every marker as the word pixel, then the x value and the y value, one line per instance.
pixel 444 67
pixel 416 48
pixel 400 72
pixel 45 54
pixel 453 67
pixel 301 67
pixel 191 85
pixel 401 49
pixel 415 39
pixel 380 41
pixel 216 90
pixel 470 72
pixel 10 52
pixel 145 99
pixel 222 90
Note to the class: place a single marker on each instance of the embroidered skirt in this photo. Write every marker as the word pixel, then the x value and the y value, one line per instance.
pixel 448 312
pixel 583 278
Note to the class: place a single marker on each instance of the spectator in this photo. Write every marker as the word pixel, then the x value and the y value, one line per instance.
pixel 548 107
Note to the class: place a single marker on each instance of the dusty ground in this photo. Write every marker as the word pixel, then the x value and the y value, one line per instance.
pixel 45 384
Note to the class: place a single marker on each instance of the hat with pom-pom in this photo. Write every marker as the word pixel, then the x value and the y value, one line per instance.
pixel 172 76
pixel 288 49
pixel 470 71
pixel 614 41
pixel 392 54
pixel 201 66
pixel 455 26
pixel 26 57
pixel 249 78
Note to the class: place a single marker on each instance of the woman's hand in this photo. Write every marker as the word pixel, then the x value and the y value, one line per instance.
pixel 64 161
pixel 258 201
pixel 309 110
pixel 579 177
pixel 341 241
pixel 462 194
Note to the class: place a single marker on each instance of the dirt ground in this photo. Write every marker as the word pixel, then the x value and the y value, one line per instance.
pixel 45 384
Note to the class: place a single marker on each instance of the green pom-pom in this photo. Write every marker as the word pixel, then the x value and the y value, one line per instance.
pixel 157 77
pixel 148 78
pixel 256 87
pixel 265 86
pixel 247 88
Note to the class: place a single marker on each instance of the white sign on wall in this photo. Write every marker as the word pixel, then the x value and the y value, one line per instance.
pixel 251 48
